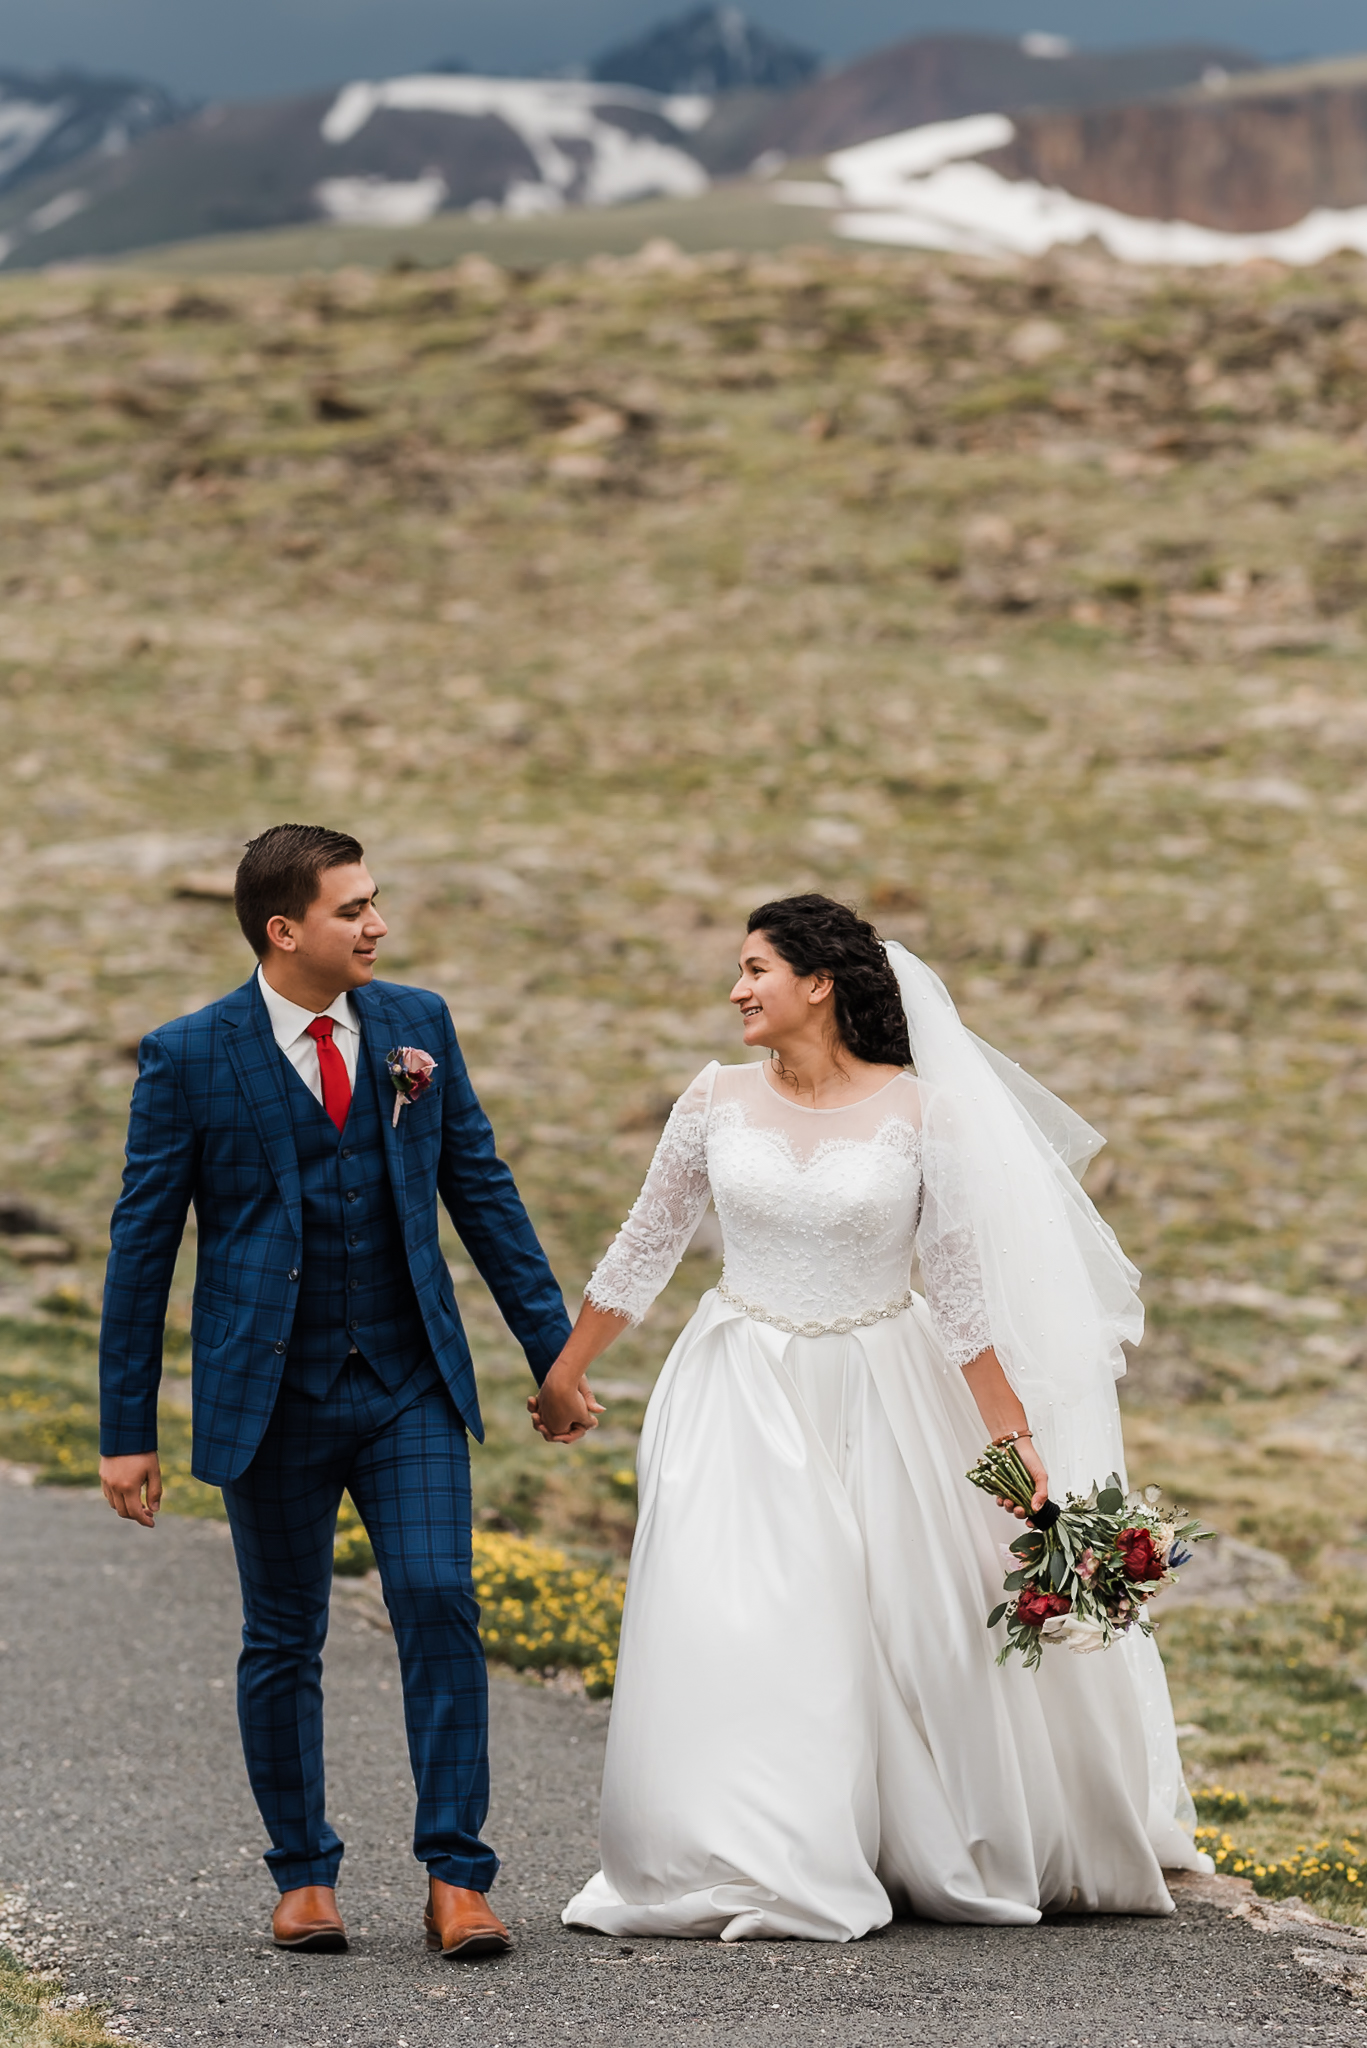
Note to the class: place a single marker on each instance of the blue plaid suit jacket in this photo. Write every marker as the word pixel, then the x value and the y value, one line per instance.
pixel 211 1124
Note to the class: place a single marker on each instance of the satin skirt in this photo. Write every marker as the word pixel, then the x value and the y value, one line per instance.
pixel 810 1732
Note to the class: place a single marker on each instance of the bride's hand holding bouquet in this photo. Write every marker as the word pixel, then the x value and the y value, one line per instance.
pixel 1034 1465
pixel 1008 1426
pixel 1084 1572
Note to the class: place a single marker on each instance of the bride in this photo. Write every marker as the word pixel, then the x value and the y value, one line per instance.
pixel 810 1731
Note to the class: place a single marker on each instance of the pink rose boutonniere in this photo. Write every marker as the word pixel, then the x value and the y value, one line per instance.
pixel 411 1071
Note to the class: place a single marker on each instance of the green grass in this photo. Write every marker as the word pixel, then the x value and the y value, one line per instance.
pixel 31 2015
pixel 728 217
pixel 1275 1708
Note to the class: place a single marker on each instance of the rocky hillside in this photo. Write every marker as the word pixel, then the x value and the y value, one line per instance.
pixel 1024 605
pixel 942 77
pixel 1241 154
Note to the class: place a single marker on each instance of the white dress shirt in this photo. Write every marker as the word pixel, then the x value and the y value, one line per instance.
pixel 290 1023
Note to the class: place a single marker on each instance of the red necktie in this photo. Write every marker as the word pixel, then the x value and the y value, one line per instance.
pixel 332 1068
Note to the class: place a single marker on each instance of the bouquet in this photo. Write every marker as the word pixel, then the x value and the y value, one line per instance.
pixel 1087 1568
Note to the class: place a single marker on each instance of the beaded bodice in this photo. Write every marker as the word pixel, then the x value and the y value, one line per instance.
pixel 819 1209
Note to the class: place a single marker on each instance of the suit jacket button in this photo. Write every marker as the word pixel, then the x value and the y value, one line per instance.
pixel 351 1194
pixel 294 1272
pixel 355 1324
pixel 279 1347
pixel 346 1151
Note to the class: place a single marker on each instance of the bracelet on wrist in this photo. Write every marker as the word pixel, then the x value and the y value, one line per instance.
pixel 1013 1436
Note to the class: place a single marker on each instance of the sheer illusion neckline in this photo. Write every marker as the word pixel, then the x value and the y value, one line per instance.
pixel 836 1108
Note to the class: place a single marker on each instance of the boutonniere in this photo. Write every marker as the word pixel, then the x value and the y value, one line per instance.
pixel 411 1071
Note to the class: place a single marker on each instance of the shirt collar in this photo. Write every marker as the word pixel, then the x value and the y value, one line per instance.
pixel 290 1021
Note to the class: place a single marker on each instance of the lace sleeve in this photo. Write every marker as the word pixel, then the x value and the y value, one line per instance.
pixel 667 1211
pixel 948 1254
pixel 954 1294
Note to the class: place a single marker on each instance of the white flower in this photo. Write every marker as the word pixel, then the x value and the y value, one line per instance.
pixel 1076 1632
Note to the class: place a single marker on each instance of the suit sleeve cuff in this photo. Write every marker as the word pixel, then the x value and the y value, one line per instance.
pixel 543 1351
pixel 128 1437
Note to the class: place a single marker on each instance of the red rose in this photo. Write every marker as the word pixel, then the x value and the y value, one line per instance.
pixel 1034 1606
pixel 1139 1555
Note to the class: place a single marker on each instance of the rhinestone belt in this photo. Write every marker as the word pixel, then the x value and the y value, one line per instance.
pixel 841 1327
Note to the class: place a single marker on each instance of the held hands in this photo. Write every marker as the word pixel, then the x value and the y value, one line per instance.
pixel 132 1486
pixel 563 1408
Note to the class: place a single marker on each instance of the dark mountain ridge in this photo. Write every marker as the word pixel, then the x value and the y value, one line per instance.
pixel 236 169
pixel 52 120
pixel 712 50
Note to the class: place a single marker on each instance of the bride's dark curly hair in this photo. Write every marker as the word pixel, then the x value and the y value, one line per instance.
pixel 816 935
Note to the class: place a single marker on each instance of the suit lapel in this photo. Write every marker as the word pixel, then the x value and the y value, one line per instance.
pixel 260 1071
pixel 379 1032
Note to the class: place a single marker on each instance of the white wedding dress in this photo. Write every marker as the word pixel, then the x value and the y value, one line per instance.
pixel 810 1731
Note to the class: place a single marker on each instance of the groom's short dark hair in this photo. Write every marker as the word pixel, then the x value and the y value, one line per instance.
pixel 278 875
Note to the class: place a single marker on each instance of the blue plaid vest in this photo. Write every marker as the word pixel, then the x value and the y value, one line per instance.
pixel 354 1289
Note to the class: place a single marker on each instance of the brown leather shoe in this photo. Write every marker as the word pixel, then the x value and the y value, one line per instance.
pixel 459 1923
pixel 307 1918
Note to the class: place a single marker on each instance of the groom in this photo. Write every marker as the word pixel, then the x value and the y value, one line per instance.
pixel 328 1350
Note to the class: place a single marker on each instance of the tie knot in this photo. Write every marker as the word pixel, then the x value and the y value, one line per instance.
pixel 320 1028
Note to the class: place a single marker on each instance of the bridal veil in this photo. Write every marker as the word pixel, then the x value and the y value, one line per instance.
pixel 1001 1160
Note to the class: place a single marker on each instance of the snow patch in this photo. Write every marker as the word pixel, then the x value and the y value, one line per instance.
pixel 1038 43
pixel 381 202
pixel 24 126
pixel 554 119
pixel 687 111
pixel 525 201
pixel 915 190
pixel 877 173
pixel 64 207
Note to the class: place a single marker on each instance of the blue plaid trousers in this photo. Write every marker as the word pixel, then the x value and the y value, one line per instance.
pixel 405 1461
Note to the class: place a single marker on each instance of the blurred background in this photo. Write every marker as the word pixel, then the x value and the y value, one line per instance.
pixel 146 123
pixel 626 465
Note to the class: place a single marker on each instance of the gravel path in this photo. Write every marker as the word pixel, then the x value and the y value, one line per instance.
pixel 126 1823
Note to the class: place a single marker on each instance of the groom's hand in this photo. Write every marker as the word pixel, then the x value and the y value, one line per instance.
pixel 563 1411
pixel 132 1486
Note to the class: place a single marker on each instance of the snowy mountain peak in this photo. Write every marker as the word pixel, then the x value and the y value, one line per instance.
pixel 51 121
pixel 711 50
pixel 581 143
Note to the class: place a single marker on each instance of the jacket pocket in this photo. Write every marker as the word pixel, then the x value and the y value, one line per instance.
pixel 425 1111
pixel 208 1321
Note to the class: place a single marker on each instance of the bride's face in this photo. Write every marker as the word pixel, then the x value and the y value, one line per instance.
pixel 777 1006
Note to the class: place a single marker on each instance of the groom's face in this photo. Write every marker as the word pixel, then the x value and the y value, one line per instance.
pixel 337 941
